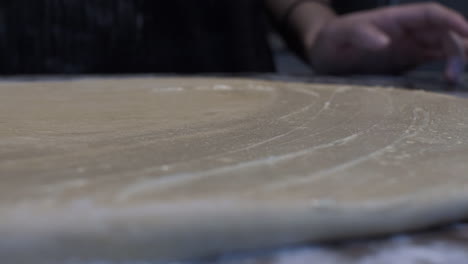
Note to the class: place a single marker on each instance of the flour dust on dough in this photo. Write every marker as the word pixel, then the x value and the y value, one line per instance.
pixel 164 169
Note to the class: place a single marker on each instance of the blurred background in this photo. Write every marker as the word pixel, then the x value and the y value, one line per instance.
pixel 287 63
pixel 81 36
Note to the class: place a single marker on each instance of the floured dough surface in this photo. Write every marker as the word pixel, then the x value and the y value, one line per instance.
pixel 162 169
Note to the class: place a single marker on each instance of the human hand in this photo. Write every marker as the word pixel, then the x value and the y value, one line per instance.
pixel 388 40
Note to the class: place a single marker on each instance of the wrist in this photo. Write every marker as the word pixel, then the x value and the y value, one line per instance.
pixel 307 19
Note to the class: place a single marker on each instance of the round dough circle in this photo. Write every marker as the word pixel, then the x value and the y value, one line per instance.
pixel 161 168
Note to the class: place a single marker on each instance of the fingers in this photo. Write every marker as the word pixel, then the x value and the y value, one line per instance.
pixel 394 39
pixel 446 18
pixel 432 27
pixel 370 37
pixel 456 57
pixel 454 69
pixel 418 16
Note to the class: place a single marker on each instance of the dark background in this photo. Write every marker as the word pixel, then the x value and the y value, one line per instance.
pixel 114 44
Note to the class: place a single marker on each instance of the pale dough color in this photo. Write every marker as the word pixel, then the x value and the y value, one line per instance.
pixel 163 169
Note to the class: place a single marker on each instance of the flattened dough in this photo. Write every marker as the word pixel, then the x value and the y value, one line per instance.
pixel 162 169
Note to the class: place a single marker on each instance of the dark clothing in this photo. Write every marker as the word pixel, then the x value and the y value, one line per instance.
pixel 130 36
pixel 346 6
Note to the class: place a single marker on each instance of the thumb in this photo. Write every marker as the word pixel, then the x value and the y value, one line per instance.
pixel 455 50
pixel 370 37
pixel 454 69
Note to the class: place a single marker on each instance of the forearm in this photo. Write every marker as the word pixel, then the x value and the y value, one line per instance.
pixel 303 22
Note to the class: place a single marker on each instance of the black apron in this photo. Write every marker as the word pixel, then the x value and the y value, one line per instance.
pixel 132 36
